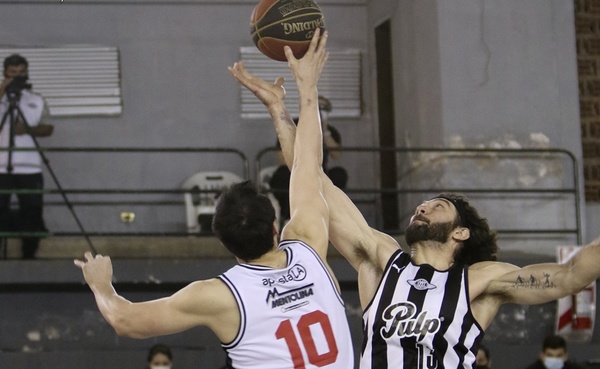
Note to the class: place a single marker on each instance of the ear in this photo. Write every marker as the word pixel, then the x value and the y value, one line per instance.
pixel 461 234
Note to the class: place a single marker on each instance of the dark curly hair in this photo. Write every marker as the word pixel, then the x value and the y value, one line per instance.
pixel 243 221
pixel 481 245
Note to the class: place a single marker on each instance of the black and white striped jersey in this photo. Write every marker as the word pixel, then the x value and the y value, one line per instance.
pixel 420 318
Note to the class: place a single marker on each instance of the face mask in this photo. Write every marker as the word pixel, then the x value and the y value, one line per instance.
pixel 554 363
pixel 160 367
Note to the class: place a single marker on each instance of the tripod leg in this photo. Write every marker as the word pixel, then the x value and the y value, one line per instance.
pixel 3 247
pixel 59 187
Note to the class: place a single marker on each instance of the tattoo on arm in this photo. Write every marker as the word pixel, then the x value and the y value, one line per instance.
pixel 533 282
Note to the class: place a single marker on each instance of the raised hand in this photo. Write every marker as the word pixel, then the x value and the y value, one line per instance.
pixel 97 270
pixel 267 93
pixel 307 70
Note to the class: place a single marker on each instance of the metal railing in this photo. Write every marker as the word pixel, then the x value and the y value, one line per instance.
pixel 418 162
pixel 415 167
pixel 108 177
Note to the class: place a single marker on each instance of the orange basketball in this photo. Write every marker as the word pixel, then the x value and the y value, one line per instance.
pixel 276 23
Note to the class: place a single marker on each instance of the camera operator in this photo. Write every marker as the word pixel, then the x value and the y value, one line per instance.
pixel 24 171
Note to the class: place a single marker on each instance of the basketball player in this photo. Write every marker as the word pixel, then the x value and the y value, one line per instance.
pixel 429 308
pixel 280 308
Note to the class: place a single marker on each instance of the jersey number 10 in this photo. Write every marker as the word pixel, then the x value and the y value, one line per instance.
pixel 286 331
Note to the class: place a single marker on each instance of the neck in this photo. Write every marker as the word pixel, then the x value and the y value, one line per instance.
pixel 438 255
pixel 275 258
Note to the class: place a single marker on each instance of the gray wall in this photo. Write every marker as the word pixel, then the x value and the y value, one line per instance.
pixel 176 90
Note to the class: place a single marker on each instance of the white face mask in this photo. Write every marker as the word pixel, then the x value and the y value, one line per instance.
pixel 554 363
pixel 160 367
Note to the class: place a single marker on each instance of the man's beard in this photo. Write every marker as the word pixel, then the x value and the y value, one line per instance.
pixel 438 232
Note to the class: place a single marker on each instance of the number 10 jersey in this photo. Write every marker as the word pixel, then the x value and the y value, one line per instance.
pixel 292 317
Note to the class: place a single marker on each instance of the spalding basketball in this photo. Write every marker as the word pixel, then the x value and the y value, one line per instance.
pixel 276 23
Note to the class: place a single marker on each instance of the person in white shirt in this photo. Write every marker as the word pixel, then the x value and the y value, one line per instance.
pixel 21 170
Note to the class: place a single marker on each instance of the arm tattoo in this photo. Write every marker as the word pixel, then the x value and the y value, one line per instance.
pixel 286 118
pixel 533 282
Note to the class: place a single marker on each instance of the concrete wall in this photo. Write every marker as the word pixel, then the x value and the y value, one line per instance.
pixel 176 91
pixel 484 73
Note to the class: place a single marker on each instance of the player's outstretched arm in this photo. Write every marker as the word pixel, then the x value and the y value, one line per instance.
pixel 309 214
pixel 272 95
pixel 540 283
pixel 208 303
pixel 349 231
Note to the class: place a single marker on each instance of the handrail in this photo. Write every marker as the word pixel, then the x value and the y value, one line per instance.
pixel 472 153
pixel 239 155
pixel 449 153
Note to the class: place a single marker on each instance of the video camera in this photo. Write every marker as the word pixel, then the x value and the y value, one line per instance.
pixel 18 84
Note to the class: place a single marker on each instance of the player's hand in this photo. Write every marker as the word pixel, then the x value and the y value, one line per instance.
pixel 307 70
pixel 267 93
pixel 97 270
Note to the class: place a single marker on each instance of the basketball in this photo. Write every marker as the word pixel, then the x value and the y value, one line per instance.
pixel 276 23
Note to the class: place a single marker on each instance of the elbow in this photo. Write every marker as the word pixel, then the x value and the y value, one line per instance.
pixel 124 328
pixel 125 331
pixel 121 327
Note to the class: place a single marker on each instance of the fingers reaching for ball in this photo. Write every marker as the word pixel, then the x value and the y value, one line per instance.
pixel 307 70
pixel 268 93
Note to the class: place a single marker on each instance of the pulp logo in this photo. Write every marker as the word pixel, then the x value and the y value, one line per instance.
pixel 404 320
pixel 295 273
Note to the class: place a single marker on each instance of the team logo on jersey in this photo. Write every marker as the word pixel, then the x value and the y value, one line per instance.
pixel 399 269
pixel 290 299
pixel 402 320
pixel 295 273
pixel 421 284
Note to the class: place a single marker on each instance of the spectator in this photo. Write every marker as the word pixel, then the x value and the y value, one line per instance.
pixel 24 171
pixel 554 355
pixel 483 359
pixel 332 140
pixel 160 357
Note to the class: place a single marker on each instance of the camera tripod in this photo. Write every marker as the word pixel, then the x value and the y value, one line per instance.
pixel 12 115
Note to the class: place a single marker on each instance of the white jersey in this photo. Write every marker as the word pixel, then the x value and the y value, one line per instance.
pixel 291 318
pixel 23 162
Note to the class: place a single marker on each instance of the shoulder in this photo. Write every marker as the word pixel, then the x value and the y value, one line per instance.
pixel 208 286
pixel 494 267
pixel 482 274
pixel 297 248
pixel 32 95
